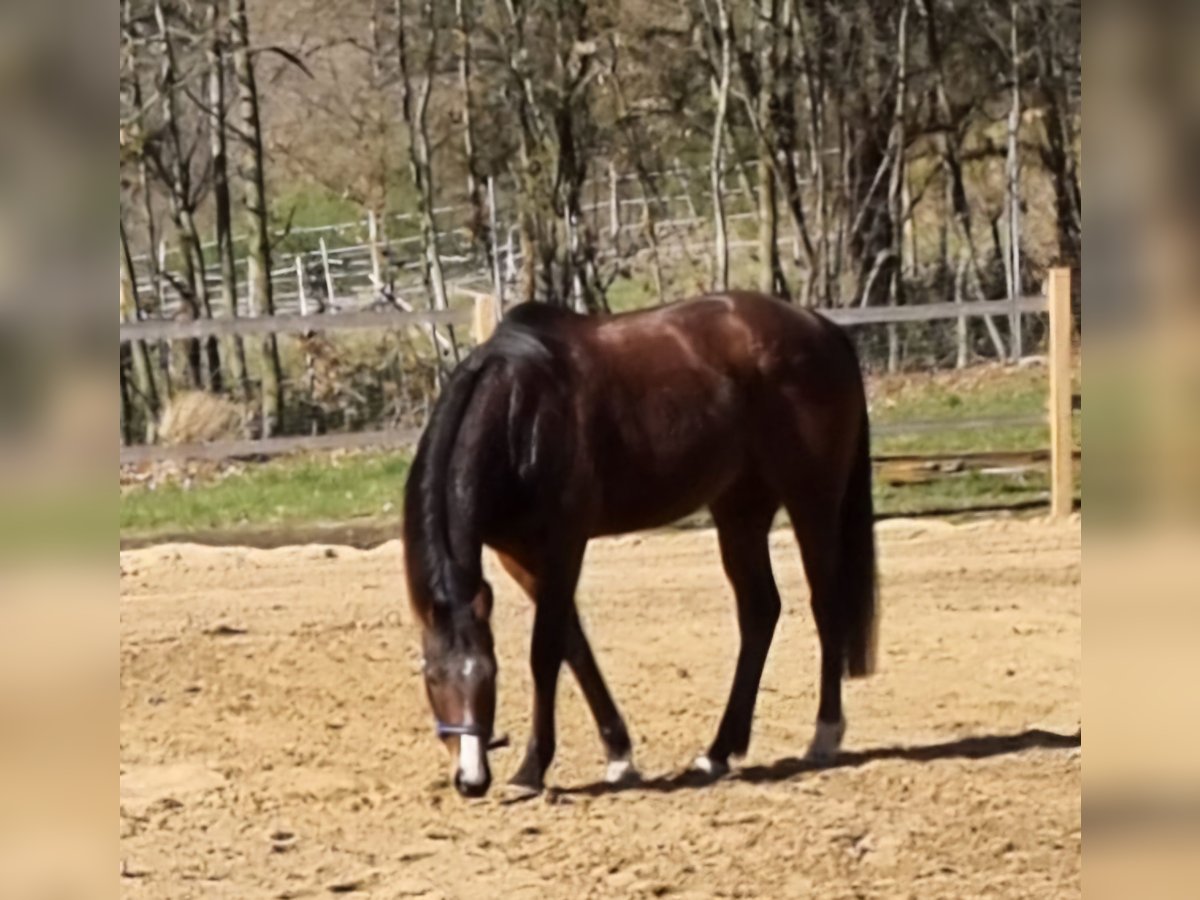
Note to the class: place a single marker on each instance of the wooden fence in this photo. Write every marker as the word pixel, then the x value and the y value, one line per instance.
pixel 485 313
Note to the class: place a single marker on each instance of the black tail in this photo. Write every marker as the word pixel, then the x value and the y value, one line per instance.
pixel 856 561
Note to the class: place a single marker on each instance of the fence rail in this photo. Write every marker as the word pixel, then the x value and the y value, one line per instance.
pixel 482 318
pixel 180 329
pixel 407 437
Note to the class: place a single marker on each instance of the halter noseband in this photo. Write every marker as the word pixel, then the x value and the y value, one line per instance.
pixel 444 729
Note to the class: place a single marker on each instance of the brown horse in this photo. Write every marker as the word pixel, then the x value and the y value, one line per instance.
pixel 562 428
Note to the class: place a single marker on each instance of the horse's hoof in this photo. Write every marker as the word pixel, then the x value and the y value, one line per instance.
pixel 706 765
pixel 826 742
pixel 516 791
pixel 621 771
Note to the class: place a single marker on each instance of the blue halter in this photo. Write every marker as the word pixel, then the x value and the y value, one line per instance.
pixel 444 729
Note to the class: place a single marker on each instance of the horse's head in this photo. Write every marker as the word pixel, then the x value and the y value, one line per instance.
pixel 460 681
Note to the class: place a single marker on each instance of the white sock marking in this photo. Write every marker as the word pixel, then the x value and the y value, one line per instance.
pixel 619 770
pixel 709 766
pixel 827 740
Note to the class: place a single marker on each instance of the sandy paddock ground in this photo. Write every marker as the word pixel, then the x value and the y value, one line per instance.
pixel 275 741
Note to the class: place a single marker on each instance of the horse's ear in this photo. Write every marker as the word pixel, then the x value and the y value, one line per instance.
pixel 481 605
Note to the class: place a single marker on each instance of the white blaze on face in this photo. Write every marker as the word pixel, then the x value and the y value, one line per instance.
pixel 472 764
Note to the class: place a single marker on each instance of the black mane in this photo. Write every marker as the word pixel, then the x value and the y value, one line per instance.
pixel 528 340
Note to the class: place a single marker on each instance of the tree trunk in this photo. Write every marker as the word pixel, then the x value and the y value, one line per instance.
pixel 146 400
pixel 480 221
pixel 127 435
pixel 190 247
pixel 1013 173
pixel 143 178
pixel 1058 150
pixel 258 224
pixel 770 273
pixel 952 160
pixel 896 186
pixel 414 104
pixel 222 202
pixel 818 286
pixel 717 164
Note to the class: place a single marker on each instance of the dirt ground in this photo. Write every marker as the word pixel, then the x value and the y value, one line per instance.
pixel 275 741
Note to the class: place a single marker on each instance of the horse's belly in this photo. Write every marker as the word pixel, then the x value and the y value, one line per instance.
pixel 666 465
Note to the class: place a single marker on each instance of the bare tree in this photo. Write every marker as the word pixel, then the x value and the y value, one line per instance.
pixel 896 192
pixel 134 125
pixel 861 133
pixel 720 90
pixel 221 196
pixel 1059 71
pixel 146 391
pixel 183 197
pixel 481 230
pixel 764 91
pixel 949 131
pixel 414 104
pixel 251 175
pixel 1013 181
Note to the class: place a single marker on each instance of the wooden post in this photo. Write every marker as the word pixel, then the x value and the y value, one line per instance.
pixel 614 205
pixel 1062 475
pixel 300 285
pixel 329 289
pixel 483 323
pixel 310 372
pixel 510 258
pixel 373 240
pixel 497 276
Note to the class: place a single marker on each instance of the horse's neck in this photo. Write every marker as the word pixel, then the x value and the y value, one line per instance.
pixel 465 486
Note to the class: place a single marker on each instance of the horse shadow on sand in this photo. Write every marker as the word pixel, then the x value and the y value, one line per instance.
pixel 978 747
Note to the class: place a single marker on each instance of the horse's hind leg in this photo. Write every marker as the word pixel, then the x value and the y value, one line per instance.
pixel 743 519
pixel 815 522
pixel 613 733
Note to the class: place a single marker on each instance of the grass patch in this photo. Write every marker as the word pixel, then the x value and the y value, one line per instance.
pixel 288 491
pixel 339 488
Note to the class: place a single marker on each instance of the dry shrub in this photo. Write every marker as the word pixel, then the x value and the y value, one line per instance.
pixel 194 417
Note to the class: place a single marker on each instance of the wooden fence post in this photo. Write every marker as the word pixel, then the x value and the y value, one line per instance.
pixel 483 322
pixel 614 205
pixel 300 286
pixel 329 288
pixel 1062 475
pixel 376 265
pixel 497 276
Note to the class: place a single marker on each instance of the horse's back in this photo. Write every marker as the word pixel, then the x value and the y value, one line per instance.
pixel 692 395
pixel 755 340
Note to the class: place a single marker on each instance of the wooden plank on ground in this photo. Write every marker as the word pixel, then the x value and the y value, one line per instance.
pixel 890 429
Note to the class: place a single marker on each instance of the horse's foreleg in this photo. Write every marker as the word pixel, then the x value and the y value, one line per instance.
pixel 555 608
pixel 545 659
pixel 617 746
pixel 614 734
